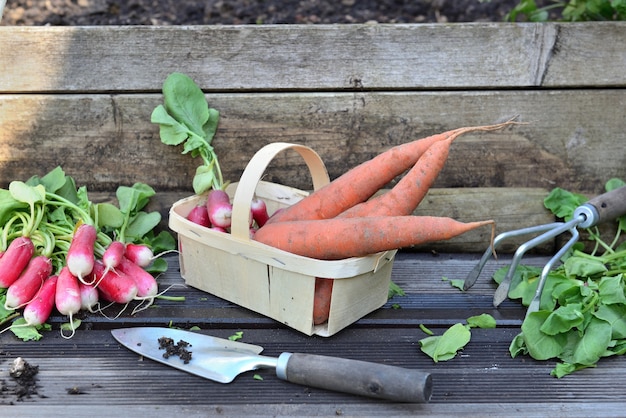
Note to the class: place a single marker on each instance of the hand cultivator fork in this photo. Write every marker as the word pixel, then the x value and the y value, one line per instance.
pixel 603 208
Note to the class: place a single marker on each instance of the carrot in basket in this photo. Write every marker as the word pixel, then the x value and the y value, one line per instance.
pixel 410 190
pixel 339 238
pixel 363 181
pixel 321 300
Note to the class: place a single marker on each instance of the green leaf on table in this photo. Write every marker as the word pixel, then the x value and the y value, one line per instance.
pixel 27 333
pixel 589 347
pixel 611 290
pixel 563 369
pixel 481 321
pixel 615 315
pixel 563 319
pixel 444 347
pixel 394 290
pixel 540 345
pixel 577 266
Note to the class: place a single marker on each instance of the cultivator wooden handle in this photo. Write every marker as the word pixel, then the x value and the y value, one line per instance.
pixel 603 208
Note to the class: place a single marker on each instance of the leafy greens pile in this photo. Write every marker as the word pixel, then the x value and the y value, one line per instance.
pixel 582 316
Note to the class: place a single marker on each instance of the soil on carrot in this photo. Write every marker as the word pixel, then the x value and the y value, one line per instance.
pixel 21 383
pixel 229 12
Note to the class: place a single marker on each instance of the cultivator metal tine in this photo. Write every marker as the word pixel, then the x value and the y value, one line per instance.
pixel 475 272
pixel 502 291
pixel 535 303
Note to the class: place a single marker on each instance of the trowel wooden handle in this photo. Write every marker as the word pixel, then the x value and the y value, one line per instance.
pixel 356 377
pixel 606 207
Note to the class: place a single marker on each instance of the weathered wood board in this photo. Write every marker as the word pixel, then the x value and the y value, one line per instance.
pixel 81 98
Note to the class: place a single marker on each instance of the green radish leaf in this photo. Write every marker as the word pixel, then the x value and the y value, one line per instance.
pixel 563 369
pixel 425 330
pixel 394 290
pixel 27 333
pixel 108 215
pixel 170 131
pixel 204 179
pixel 611 290
pixel 133 199
pixel 576 266
pixel 518 346
pixel 236 336
pixel 27 194
pixel 141 224
pixel 157 266
pixel 210 127
pixel 9 205
pixel 586 349
pixel 540 345
pixel 563 319
pixel 562 203
pixel 615 315
pixel 444 347
pixel 186 102
pixel 52 181
pixel 481 321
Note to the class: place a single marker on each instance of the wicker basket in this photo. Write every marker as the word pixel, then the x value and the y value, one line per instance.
pixel 269 281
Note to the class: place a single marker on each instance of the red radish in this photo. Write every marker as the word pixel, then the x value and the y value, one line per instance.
pixel 139 254
pixel 259 211
pixel 113 255
pixel 147 286
pixel 80 256
pixel 67 296
pixel 28 284
pixel 199 215
pixel 219 208
pixel 38 310
pixel 88 296
pixel 113 286
pixel 15 260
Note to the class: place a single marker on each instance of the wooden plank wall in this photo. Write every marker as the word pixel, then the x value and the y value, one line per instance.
pixel 81 97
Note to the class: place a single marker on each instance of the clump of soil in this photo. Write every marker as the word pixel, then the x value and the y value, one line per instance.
pixel 179 349
pixel 23 382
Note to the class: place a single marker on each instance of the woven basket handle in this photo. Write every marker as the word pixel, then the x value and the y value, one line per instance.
pixel 253 172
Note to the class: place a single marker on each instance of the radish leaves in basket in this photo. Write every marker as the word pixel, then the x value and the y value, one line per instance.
pixel 582 316
pixel 186 118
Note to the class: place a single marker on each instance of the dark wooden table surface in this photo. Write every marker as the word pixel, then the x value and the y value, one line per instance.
pixel 92 375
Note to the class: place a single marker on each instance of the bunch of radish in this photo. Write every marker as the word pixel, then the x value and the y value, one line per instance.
pixel 217 211
pixel 85 280
pixel 53 241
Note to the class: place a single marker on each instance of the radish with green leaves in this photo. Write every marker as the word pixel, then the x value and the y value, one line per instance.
pixel 67 297
pixel 28 284
pixel 259 211
pixel 147 286
pixel 88 296
pixel 185 117
pixel 113 286
pixel 80 256
pixel 38 310
pixel 15 260
pixel 219 208
pixel 199 215
pixel 139 254
pixel 113 255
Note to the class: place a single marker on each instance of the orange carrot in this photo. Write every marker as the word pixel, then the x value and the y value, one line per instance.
pixel 321 300
pixel 363 181
pixel 410 190
pixel 339 238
